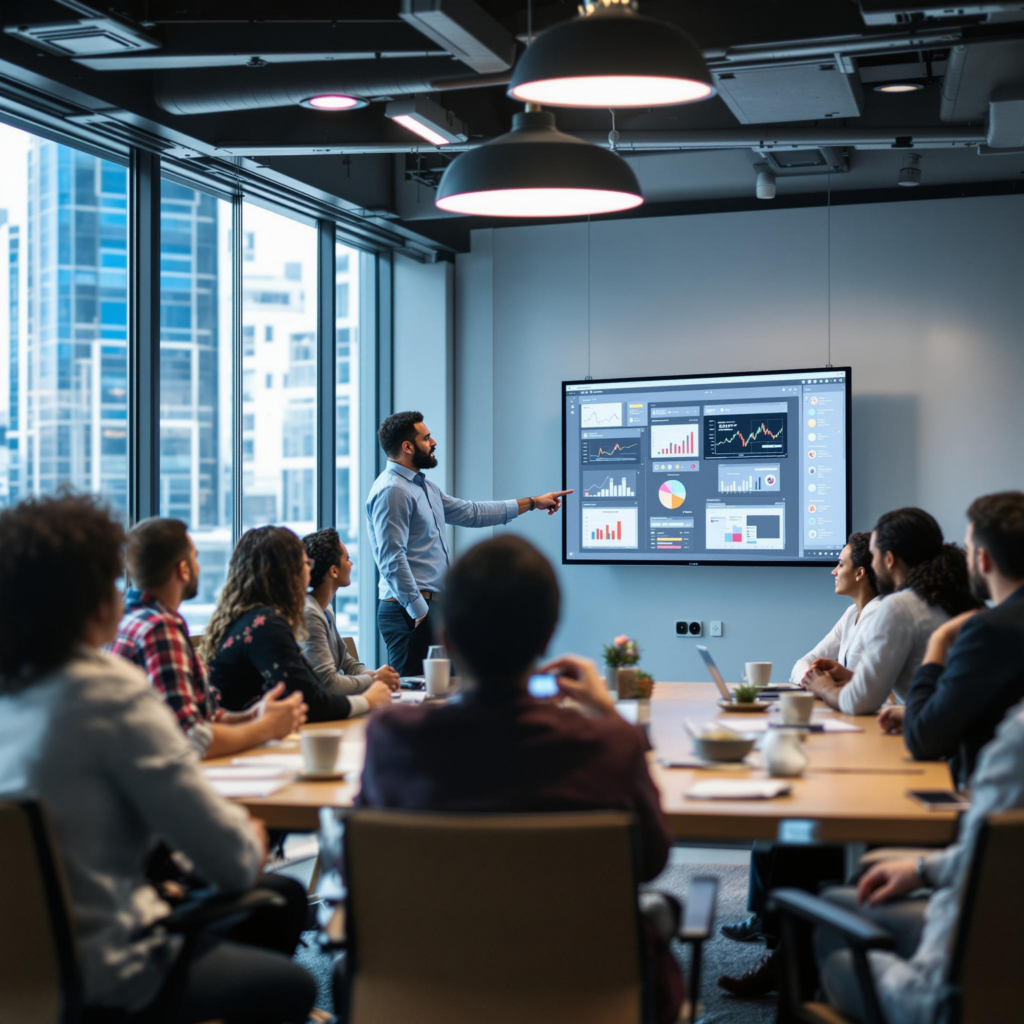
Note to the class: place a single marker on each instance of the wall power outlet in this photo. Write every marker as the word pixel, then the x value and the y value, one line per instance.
pixel 689 627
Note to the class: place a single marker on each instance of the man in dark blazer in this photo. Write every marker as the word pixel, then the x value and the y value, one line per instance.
pixel 496 749
pixel 973 668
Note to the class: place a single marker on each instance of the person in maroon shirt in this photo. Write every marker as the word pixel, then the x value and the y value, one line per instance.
pixel 496 749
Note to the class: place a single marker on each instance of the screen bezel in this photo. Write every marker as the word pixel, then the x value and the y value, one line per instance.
pixel 815 563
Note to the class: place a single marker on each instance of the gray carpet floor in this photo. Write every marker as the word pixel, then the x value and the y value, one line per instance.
pixel 720 955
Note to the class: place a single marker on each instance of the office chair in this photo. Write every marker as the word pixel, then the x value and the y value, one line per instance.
pixel 985 979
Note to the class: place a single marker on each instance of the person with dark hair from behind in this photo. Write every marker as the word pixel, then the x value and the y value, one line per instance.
pixel 973 671
pixel 331 570
pixel 251 645
pixel 406 518
pixel 924 584
pixel 164 570
pixel 83 733
pixel 773 866
pixel 499 750
pixel 855 579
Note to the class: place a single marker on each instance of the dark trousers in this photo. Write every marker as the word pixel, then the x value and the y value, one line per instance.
pixel 801 867
pixel 243 974
pixel 407 643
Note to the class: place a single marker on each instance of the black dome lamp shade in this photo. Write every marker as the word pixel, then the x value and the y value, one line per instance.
pixel 537 171
pixel 611 56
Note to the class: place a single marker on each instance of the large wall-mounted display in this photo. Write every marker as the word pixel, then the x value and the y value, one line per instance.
pixel 735 469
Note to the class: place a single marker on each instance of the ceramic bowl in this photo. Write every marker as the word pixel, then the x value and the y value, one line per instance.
pixel 723 750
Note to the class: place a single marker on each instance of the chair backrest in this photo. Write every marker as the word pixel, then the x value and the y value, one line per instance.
pixel 989 948
pixel 39 979
pixel 350 646
pixel 509 919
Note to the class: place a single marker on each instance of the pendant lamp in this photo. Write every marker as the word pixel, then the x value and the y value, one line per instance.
pixel 611 56
pixel 537 171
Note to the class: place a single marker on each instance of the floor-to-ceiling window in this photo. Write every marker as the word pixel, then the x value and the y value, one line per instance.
pixel 279 317
pixel 63 321
pixel 195 381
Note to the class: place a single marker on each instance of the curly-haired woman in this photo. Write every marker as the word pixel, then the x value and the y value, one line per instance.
pixel 251 643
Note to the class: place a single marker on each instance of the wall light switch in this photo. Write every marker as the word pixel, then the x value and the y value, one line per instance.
pixel 716 627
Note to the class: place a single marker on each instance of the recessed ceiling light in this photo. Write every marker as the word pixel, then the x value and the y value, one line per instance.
pixel 334 101
pixel 899 87
pixel 537 171
pixel 611 57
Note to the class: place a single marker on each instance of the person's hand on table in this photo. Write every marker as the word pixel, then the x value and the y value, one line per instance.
pixel 378 695
pixel 890 719
pixel 835 670
pixel 552 501
pixel 388 676
pixel 578 678
pixel 817 682
pixel 888 881
pixel 281 715
pixel 943 638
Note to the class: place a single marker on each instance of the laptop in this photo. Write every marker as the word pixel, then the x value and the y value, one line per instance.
pixel 771 692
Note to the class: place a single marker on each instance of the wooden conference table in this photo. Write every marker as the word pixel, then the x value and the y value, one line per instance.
pixel 854 789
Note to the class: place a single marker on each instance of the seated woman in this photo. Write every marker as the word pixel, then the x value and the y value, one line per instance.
pixel 250 644
pixel 331 571
pixel 83 733
pixel 855 579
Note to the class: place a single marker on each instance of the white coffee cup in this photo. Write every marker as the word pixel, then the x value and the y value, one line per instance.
pixel 320 749
pixel 757 673
pixel 437 672
pixel 797 708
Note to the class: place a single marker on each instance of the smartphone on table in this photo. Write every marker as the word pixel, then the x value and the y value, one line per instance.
pixel 940 799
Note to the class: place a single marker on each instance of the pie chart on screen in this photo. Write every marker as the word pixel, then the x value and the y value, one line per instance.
pixel 672 494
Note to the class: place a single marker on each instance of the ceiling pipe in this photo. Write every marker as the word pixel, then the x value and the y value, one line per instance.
pixel 760 137
pixel 224 90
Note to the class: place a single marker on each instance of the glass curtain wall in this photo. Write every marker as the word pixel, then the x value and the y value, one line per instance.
pixel 195 381
pixel 63 321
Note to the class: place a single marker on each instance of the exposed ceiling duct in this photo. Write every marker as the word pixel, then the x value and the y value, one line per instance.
pixel 222 90
pixel 976 71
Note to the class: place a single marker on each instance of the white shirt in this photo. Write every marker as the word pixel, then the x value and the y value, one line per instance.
pixel 893 643
pixel 842 643
pixel 99 749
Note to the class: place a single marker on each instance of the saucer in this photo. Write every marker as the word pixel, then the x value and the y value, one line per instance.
pixel 752 705
pixel 327 775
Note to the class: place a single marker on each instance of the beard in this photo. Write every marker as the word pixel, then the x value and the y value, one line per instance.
pixel 423 460
pixel 192 589
pixel 976 582
pixel 886 584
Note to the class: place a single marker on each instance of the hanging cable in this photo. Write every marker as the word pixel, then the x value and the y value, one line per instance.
pixel 529 23
pixel 828 264
pixel 589 377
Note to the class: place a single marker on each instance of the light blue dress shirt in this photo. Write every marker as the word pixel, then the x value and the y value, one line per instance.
pixel 406 514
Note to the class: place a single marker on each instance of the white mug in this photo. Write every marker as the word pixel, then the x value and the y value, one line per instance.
pixel 320 749
pixel 757 673
pixel 797 708
pixel 437 672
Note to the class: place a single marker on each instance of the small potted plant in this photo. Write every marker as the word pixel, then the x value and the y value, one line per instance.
pixel 620 656
pixel 643 687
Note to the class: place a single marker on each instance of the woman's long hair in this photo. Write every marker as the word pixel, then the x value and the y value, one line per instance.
pixel 265 568
pixel 860 556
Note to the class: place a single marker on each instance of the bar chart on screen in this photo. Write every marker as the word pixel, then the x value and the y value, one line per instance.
pixel 616 484
pixel 744 479
pixel 609 527
pixel 674 439
pixel 761 528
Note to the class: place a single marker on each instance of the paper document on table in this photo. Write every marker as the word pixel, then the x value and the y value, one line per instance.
pixel 250 769
pixel 351 760
pixel 737 789
pixel 745 724
pixel 237 788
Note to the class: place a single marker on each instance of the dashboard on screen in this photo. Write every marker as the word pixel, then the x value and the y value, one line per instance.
pixel 737 468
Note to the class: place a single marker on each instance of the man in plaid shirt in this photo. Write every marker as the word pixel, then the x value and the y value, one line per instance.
pixel 164 569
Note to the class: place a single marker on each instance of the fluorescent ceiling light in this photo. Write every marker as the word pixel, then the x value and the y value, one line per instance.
pixel 428 120
pixel 611 57
pixel 334 101
pixel 537 171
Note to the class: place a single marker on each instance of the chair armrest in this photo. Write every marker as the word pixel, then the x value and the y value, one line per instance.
pixel 699 911
pixel 859 932
pixel 214 909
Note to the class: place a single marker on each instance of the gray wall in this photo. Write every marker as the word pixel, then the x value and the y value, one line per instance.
pixel 927 307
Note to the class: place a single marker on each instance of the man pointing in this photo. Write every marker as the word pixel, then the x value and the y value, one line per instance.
pixel 406 517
